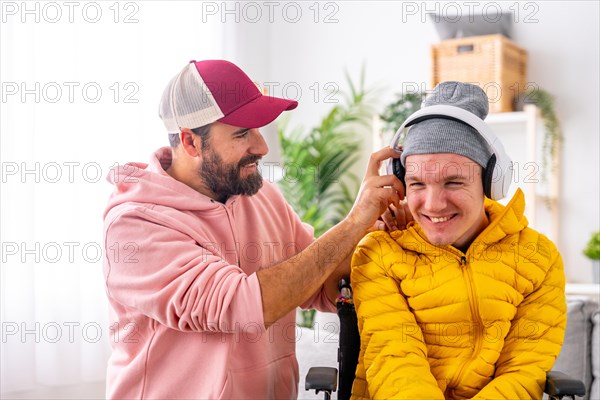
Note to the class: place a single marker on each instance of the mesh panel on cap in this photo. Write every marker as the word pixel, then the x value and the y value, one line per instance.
pixel 187 102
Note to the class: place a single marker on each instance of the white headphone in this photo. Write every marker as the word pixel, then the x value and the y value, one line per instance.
pixel 497 175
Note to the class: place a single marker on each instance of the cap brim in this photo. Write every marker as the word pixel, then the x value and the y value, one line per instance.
pixel 259 112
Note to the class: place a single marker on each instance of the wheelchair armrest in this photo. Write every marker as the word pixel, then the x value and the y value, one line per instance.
pixel 321 379
pixel 559 384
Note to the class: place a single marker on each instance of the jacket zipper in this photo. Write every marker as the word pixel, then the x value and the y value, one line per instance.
pixel 476 318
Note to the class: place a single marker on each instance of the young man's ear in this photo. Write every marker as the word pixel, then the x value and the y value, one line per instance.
pixel 190 142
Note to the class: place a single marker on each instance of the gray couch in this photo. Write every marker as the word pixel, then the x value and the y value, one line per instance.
pixel 580 354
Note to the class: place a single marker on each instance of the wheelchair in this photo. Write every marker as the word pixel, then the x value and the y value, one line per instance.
pixel 327 380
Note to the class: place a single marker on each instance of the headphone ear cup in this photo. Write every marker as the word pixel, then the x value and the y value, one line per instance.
pixel 487 177
pixel 398 170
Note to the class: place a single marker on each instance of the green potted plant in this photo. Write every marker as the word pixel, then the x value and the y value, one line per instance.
pixel 592 251
pixel 318 182
pixel 395 113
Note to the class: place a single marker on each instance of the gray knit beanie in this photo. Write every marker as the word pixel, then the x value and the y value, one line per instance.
pixel 443 135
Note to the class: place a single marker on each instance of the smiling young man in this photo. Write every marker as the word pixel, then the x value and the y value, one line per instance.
pixel 467 302
pixel 446 198
pixel 205 262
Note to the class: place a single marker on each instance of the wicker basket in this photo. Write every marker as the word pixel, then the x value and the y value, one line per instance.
pixel 492 61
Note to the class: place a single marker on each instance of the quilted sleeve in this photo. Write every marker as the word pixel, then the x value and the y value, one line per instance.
pixel 393 356
pixel 535 337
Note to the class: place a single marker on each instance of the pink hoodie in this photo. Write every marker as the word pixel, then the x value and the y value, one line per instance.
pixel 185 303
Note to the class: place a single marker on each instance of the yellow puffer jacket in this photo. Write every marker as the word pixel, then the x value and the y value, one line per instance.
pixel 436 323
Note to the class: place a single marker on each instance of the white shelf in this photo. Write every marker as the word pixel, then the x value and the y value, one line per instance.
pixel 522 134
pixel 507 117
pixel 588 290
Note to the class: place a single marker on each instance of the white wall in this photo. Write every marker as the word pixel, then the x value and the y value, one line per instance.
pixel 393 40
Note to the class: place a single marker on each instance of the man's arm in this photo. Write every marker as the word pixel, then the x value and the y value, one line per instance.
pixel 392 219
pixel 161 271
pixel 289 283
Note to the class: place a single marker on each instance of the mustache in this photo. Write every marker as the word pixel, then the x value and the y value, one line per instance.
pixel 248 160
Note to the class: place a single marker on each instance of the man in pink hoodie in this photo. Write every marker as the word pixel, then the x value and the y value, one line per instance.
pixel 205 263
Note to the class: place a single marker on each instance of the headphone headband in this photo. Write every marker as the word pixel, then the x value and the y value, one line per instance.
pixel 503 167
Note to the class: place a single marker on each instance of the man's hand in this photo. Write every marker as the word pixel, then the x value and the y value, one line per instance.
pixel 394 218
pixel 377 193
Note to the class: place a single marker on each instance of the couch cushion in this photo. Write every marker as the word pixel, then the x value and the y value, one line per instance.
pixel 595 390
pixel 574 358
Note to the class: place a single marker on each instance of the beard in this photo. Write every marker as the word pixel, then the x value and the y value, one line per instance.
pixel 224 179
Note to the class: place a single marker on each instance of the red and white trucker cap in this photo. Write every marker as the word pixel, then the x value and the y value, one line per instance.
pixel 217 90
